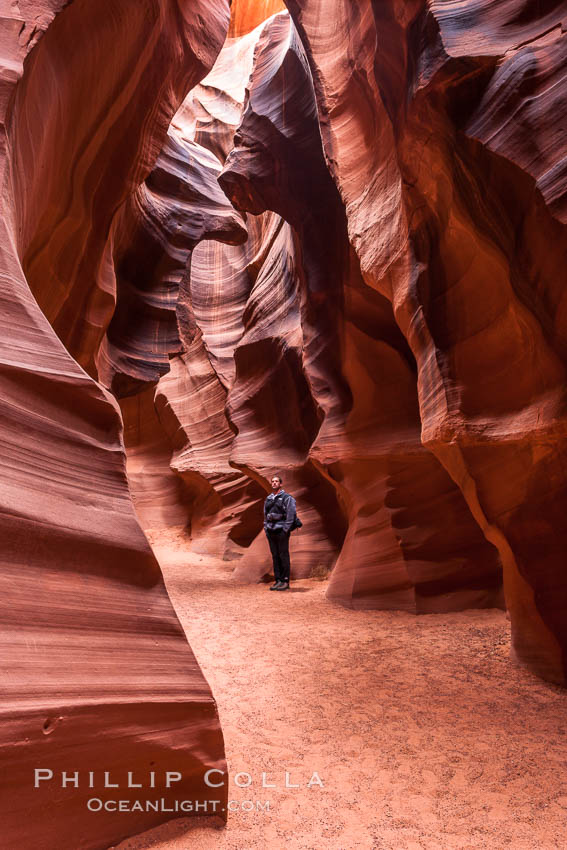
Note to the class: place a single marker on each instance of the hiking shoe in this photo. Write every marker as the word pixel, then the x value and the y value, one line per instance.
pixel 276 585
pixel 284 585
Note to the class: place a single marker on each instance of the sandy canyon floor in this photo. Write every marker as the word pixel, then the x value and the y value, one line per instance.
pixel 423 730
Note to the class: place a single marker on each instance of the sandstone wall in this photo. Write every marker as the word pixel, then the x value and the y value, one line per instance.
pixel 442 133
pixel 410 318
pixel 96 671
pixel 292 361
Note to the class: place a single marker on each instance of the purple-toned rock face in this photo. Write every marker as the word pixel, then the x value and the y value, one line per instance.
pixel 331 244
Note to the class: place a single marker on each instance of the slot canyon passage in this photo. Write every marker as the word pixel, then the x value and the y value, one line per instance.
pixel 322 238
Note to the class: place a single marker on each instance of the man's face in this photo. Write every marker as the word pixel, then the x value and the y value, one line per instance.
pixel 276 484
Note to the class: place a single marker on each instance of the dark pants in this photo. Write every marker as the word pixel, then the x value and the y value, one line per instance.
pixel 279 547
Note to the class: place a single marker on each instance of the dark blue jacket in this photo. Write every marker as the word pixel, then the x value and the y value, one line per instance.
pixel 284 506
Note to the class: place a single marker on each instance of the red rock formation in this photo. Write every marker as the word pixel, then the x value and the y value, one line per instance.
pixel 97 674
pixel 269 400
pixel 396 552
pixel 442 124
pixel 439 134
pixel 190 399
pixel 287 356
pixel 64 220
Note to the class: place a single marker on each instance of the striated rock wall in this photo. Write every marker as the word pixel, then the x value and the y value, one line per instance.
pixel 96 671
pixel 292 362
pixel 396 552
pixel 391 335
pixel 442 134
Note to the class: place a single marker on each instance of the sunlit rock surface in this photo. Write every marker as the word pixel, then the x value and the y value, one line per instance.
pixel 396 553
pixel 96 671
pixel 246 15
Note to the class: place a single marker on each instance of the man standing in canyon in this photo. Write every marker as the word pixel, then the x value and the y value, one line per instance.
pixel 280 519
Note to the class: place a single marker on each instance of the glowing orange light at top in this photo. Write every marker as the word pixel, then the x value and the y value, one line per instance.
pixel 247 14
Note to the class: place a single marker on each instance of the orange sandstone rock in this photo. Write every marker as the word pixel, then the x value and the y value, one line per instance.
pixel 246 16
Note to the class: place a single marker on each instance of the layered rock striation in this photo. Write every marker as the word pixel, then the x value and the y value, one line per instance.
pixel 97 674
pixel 438 133
pixel 390 336
pixel 293 362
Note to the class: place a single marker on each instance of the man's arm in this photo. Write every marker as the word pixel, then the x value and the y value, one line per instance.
pixel 289 514
pixel 265 517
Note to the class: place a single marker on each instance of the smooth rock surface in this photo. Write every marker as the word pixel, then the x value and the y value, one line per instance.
pixel 96 674
pixel 439 135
